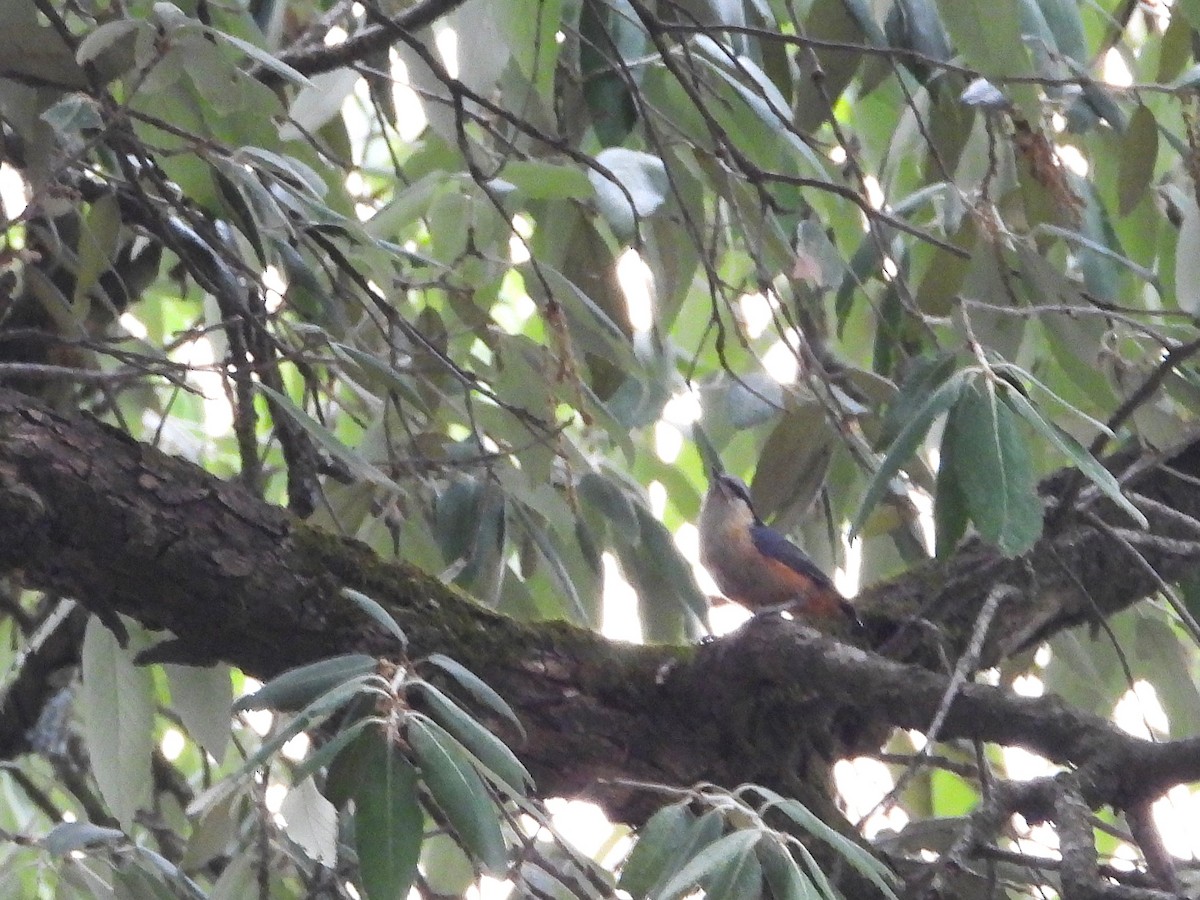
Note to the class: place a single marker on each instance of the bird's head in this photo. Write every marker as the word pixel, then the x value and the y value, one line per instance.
pixel 729 498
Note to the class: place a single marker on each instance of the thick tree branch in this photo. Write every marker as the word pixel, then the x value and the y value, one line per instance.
pixel 91 514
pixel 313 60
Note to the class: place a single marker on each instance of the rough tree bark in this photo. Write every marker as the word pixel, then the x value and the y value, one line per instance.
pixel 88 513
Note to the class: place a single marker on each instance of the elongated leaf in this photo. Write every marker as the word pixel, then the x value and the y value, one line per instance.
pixel 657 843
pixel 863 862
pixel 786 879
pixel 97 244
pixel 706 831
pixel 1090 243
pixel 644 179
pixel 1139 151
pixel 764 99
pixel 592 327
pixel 296 171
pixel 670 601
pixel 486 747
pixel 923 377
pixel 403 384
pixel 389 826
pixel 376 612
pixel 108 34
pixel 311 822
pixel 741 877
pixel 558 570
pixel 263 57
pixel 68 836
pixel 992 467
pixel 1076 452
pixel 328 752
pixel 989 38
pixel 1187 259
pixel 714 859
pixel 202 697
pixel 539 180
pixel 313 714
pixel 118 718
pixel 906 443
pixel 476 687
pixel 950 513
pixel 298 687
pixel 606 495
pixel 328 442
pixel 460 794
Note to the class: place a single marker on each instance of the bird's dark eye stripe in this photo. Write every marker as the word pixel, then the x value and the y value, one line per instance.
pixel 737 486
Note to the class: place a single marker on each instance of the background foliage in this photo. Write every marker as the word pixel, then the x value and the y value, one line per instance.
pixel 490 285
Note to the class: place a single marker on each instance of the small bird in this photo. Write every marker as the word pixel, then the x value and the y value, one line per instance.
pixel 756 566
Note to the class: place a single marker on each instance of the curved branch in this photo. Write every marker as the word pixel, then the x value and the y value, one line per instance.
pixel 123 528
pixel 317 59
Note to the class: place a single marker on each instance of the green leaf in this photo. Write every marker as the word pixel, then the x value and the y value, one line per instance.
pixel 923 376
pixel 993 468
pixel 658 841
pixel 327 441
pixel 531 37
pixel 298 687
pixel 404 385
pixel 477 688
pixel 591 327
pixel 602 27
pixel 378 613
pixel 72 115
pixel 771 113
pixel 1076 452
pixel 389 826
pixel 355 747
pixel 708 829
pixel 714 860
pixel 66 837
pixel 202 697
pixel 96 42
pixel 539 534
pixel 315 105
pixel 263 57
pixel 538 180
pixel 794 461
pixel 311 821
pixel 460 793
pixel 641 179
pixel 670 601
pixel 753 399
pixel 741 877
pixel 1105 252
pixel 1189 78
pixel 118 719
pixel 863 862
pixel 447 871
pixel 1187 259
pixel 485 746
pixel 313 714
pixel 1170 673
pixel 327 754
pixel 988 35
pixel 906 443
pixel 609 497
pixel 785 878
pixel 950 512
pixel 1066 24
pixel 1139 151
